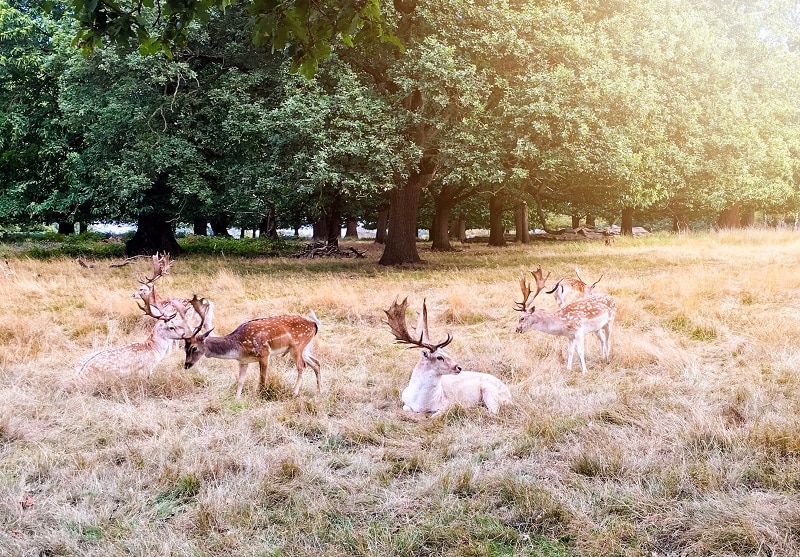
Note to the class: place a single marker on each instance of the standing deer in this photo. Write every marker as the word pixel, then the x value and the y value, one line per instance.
pixel 256 341
pixel 437 380
pixel 147 293
pixel 139 357
pixel 568 290
pixel 593 314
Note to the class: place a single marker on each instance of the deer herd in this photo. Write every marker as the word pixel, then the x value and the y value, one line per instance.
pixel 437 380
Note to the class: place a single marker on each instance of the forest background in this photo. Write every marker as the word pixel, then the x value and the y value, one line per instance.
pixel 439 115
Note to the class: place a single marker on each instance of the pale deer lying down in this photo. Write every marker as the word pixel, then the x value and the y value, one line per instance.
pixel 256 341
pixel 138 357
pixel 593 314
pixel 437 380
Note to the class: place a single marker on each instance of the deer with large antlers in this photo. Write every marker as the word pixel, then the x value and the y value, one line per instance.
pixel 256 341
pixel 593 314
pixel 437 380
pixel 147 293
pixel 139 357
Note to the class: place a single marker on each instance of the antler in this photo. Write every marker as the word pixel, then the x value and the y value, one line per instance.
pixel 595 282
pixel 396 315
pixel 526 288
pixel 161 267
pixel 200 305
pixel 153 308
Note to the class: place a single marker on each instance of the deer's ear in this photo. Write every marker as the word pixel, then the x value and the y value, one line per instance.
pixel 205 335
pixel 426 353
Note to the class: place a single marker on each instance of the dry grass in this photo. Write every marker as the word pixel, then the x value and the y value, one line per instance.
pixel 686 443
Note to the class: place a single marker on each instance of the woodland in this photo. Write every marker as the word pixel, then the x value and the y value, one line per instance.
pixel 403 115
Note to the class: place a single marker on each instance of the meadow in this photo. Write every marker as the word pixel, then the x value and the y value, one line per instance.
pixel 686 443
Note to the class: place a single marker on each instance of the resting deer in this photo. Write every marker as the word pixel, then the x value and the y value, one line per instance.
pixel 139 357
pixel 256 341
pixel 593 314
pixel 437 380
pixel 147 293
pixel 568 290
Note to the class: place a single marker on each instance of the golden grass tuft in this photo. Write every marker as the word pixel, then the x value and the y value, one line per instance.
pixel 685 443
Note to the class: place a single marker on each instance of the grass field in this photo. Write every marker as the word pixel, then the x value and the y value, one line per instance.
pixel 686 443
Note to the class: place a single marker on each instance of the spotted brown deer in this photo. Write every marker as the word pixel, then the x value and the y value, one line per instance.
pixel 139 357
pixel 437 380
pixel 593 314
pixel 148 294
pixel 256 341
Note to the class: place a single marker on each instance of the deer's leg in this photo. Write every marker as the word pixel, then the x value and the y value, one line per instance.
pixel 608 328
pixel 263 366
pixel 314 363
pixel 300 361
pixel 580 342
pixel 240 382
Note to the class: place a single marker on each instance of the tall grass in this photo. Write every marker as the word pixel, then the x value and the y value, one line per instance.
pixel 686 443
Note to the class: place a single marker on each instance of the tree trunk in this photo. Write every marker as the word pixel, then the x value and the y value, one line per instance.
pixel 200 226
pixel 627 221
pixel 521 223
pixel 590 221
pixel 496 231
pixel 747 217
pixel 320 227
pixel 267 226
pixel 401 240
pixel 679 225
pixel 440 237
pixel 66 227
pixel 351 228
pixel 153 234
pixel 334 220
pixel 461 229
pixel 576 221
pixel 220 223
pixel 383 221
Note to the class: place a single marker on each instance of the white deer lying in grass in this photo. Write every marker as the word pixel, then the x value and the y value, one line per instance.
pixel 138 357
pixel 437 380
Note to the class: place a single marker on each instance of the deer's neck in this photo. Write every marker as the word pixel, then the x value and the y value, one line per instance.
pixel 224 348
pixel 158 343
pixel 551 323
pixel 424 392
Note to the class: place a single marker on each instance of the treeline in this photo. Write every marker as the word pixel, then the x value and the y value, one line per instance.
pixel 478 112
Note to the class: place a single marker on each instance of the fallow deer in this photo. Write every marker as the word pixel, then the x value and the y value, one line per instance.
pixel 568 290
pixel 593 314
pixel 437 380
pixel 139 357
pixel 147 293
pixel 256 341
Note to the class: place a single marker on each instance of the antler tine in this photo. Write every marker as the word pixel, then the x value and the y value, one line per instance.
pixel 577 274
pixel 422 324
pixel 425 336
pixel 200 305
pixel 540 281
pixel 526 292
pixel 555 286
pixel 598 280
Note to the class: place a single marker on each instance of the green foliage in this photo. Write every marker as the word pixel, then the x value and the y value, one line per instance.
pixel 245 247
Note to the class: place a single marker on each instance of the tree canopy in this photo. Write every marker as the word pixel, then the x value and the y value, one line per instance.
pixel 175 112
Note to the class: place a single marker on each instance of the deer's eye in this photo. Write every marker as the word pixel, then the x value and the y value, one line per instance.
pixel 441 359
